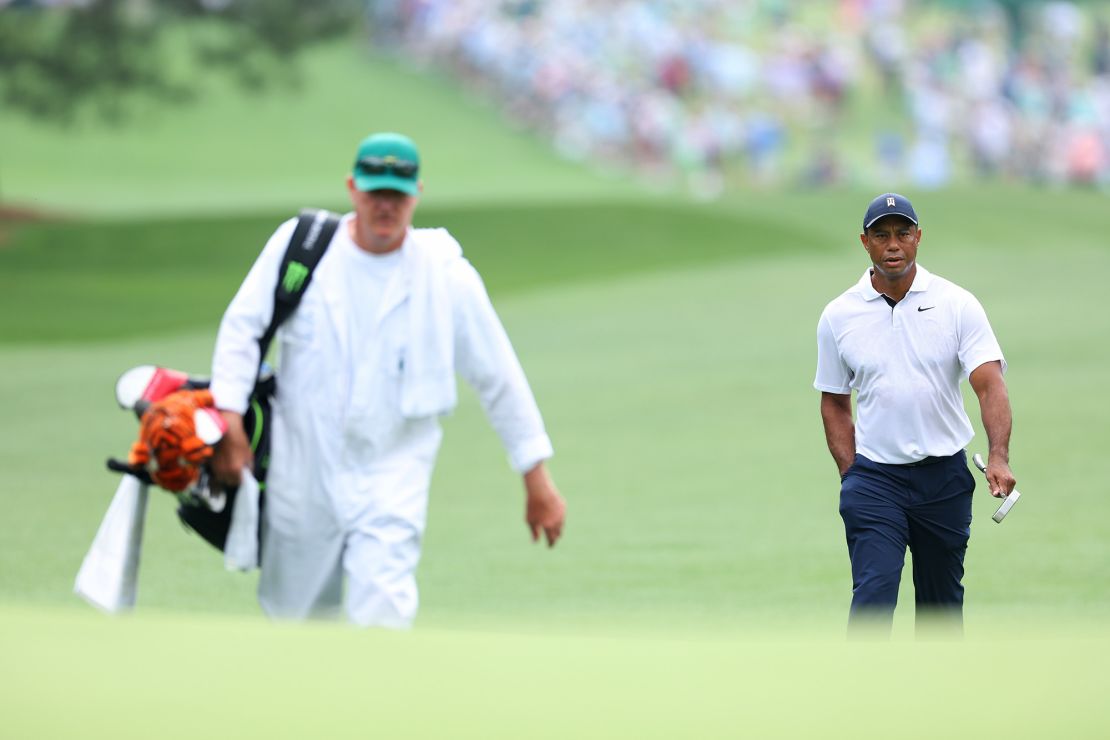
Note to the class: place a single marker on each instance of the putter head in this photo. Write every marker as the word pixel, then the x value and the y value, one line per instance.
pixel 1007 504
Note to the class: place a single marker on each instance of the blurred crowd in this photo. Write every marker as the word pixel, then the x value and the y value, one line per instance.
pixel 774 91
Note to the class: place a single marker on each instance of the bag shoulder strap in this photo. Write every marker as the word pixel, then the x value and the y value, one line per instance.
pixel 311 237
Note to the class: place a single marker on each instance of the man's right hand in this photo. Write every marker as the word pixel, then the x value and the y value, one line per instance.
pixel 840 433
pixel 233 452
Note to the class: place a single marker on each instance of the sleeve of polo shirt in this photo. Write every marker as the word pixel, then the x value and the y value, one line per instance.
pixel 977 341
pixel 833 375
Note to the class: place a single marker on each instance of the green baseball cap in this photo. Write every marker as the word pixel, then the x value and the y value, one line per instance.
pixel 387 161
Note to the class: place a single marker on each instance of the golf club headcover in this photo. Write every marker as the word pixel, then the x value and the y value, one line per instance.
pixel 168 445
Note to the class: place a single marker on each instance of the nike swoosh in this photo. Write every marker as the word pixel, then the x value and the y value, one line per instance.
pixel 919 308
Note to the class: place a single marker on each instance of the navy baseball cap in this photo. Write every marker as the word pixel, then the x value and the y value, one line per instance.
pixel 889 204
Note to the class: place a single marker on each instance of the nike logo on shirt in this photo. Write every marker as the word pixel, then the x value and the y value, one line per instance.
pixel 927 308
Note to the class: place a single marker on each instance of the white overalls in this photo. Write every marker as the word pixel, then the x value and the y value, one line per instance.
pixel 366 367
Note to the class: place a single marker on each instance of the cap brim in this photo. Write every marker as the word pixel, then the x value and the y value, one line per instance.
pixel 912 219
pixel 368 183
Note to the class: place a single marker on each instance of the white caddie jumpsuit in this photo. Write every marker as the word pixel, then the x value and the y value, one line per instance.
pixel 360 385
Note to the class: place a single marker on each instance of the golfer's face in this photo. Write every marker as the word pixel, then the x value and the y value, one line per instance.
pixel 892 244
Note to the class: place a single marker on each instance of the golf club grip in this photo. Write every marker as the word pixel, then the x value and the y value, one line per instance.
pixel 119 466
pixel 978 460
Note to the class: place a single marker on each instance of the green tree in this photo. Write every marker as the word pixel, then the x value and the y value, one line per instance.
pixel 97 54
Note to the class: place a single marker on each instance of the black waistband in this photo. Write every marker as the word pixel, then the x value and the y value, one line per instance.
pixel 926 461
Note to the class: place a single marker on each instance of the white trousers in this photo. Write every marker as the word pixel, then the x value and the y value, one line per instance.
pixel 302 577
pixel 330 521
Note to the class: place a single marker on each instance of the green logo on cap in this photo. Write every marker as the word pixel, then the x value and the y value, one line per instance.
pixel 295 274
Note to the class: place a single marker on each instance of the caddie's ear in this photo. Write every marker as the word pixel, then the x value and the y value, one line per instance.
pixel 353 192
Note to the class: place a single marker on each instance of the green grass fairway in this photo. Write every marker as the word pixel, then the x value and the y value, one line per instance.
pixel 238 153
pixel 687 434
pixel 702 585
pixel 141 276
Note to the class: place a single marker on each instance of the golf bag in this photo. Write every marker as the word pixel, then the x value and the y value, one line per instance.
pixel 196 511
pixel 178 424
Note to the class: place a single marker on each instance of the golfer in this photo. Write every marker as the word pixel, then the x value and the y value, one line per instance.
pixel 903 339
pixel 366 367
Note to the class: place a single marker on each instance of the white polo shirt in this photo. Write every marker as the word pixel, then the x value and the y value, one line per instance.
pixel 906 364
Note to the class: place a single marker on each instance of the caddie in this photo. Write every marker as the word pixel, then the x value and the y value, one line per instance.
pixel 903 339
pixel 366 365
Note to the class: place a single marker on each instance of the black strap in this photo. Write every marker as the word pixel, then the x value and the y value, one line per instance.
pixel 315 228
pixel 307 245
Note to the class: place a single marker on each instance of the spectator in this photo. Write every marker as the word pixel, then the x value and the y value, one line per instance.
pixel 667 85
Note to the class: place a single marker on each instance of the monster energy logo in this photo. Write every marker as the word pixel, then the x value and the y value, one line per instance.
pixel 295 274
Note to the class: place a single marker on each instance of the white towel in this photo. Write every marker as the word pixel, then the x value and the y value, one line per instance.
pixel 109 575
pixel 428 381
pixel 241 548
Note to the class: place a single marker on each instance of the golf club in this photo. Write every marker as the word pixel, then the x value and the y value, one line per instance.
pixel 1008 502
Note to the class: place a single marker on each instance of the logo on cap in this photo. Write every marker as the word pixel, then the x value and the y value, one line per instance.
pixel 890 202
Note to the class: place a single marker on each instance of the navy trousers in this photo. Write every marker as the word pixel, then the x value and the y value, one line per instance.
pixel 925 506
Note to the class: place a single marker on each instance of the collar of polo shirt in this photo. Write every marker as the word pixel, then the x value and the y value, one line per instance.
pixel 921 282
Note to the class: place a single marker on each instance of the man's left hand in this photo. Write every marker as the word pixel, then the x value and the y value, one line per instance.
pixel 1000 478
pixel 544 509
